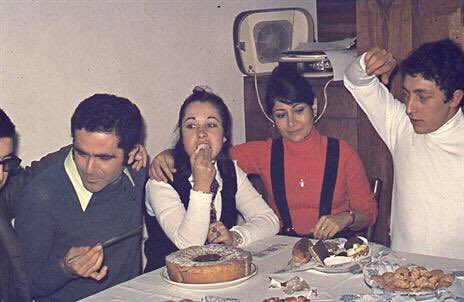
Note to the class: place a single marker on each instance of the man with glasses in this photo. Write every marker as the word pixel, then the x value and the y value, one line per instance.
pixel 12 287
pixel 9 163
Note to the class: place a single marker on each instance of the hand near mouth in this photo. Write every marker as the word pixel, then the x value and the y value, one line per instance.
pixel 203 169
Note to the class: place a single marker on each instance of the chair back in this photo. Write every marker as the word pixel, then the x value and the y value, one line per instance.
pixel 376 187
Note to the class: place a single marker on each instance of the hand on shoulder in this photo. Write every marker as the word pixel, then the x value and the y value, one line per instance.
pixel 162 166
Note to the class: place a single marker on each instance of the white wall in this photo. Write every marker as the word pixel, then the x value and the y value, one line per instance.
pixel 53 54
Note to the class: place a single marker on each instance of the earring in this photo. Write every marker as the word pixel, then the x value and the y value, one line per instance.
pixel 273 125
pixel 315 120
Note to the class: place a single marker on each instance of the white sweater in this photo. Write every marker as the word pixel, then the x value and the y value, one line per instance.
pixel 428 192
pixel 187 227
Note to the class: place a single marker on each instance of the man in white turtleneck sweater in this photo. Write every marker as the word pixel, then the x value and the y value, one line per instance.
pixel 425 135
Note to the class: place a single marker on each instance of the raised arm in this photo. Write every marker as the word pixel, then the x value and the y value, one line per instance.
pixel 381 63
pixel 386 114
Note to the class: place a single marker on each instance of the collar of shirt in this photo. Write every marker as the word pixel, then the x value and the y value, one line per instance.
pixel 456 122
pixel 83 194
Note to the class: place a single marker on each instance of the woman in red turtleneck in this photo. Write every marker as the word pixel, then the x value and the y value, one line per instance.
pixel 301 164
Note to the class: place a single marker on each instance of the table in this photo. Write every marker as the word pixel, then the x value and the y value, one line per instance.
pixel 269 255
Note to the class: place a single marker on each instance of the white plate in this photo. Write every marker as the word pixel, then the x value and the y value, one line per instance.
pixel 339 268
pixel 165 277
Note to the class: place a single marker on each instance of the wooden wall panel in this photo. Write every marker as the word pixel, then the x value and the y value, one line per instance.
pixel 257 127
pixel 402 25
pixel 346 129
pixel 388 26
pixel 456 27
pixel 336 19
pixel 435 20
pixel 340 103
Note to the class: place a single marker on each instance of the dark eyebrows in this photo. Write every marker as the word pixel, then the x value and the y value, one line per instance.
pixel 214 118
pixel 80 151
pixel 292 106
pixel 423 92
pixel 417 90
pixel 194 119
pixel 189 118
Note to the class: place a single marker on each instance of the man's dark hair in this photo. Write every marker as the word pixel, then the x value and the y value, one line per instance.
pixel 109 113
pixel 441 62
pixel 7 128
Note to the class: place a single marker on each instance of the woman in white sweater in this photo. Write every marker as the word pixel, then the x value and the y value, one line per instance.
pixel 188 210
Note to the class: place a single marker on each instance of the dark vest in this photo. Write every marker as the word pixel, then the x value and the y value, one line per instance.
pixel 328 184
pixel 158 245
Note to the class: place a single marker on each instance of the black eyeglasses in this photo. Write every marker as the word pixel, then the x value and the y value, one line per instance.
pixel 10 164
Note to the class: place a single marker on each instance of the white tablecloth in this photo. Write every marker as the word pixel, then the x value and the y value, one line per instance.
pixel 269 255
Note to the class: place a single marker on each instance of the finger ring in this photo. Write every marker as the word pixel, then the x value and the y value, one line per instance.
pixel 324 228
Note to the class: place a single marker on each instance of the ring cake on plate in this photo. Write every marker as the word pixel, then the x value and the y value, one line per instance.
pixel 205 264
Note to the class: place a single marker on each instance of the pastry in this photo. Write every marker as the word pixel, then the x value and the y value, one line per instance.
pixel 415 279
pixel 300 251
pixel 319 251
